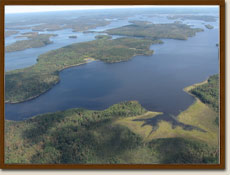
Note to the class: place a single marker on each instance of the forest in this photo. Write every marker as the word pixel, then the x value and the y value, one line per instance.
pixel 156 31
pixel 209 94
pixel 208 26
pixel 33 41
pixel 81 136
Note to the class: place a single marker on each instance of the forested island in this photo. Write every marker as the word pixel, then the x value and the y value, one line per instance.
pixel 82 23
pixel 34 41
pixel 73 36
pixel 208 26
pixel 45 74
pixel 28 35
pixel 205 18
pixel 155 31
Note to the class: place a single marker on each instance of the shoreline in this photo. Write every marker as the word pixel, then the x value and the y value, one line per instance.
pixel 188 88
pixel 88 60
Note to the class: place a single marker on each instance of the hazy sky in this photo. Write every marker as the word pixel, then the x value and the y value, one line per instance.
pixel 29 8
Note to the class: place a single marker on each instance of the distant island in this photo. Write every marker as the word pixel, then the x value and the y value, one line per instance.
pixel 208 26
pixel 155 31
pixel 28 35
pixel 34 41
pixel 73 36
pixel 205 18
pixel 10 32
pixel 79 24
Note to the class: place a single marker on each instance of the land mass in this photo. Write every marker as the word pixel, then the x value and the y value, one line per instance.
pixel 103 37
pixel 209 94
pixel 73 36
pixel 34 41
pixel 82 23
pixel 28 35
pixel 10 32
pixel 208 26
pixel 205 18
pixel 79 136
pixel 155 31
pixel 28 83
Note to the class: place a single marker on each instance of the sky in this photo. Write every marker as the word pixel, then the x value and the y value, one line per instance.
pixel 10 9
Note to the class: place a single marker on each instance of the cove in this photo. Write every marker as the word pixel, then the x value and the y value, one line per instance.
pixel 155 81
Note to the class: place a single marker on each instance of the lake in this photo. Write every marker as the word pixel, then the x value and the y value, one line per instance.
pixel 155 81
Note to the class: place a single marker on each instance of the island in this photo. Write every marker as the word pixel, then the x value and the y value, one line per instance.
pixel 79 24
pixel 28 35
pixel 208 26
pixel 73 36
pixel 48 27
pixel 206 18
pixel 155 31
pixel 10 32
pixel 34 41
pixel 40 77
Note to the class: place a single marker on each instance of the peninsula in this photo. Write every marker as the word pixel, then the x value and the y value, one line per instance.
pixel 45 73
pixel 34 41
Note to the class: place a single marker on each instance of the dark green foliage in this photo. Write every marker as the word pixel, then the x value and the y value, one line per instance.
pixel 156 31
pixel 209 94
pixel 78 135
pixel 208 26
pixel 30 82
pixel 183 151
pixel 39 40
pixel 73 36
pixel 103 37
pixel 90 137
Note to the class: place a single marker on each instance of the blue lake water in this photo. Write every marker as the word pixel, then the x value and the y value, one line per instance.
pixel 155 81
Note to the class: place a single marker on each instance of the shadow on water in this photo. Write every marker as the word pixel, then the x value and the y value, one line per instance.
pixel 154 122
